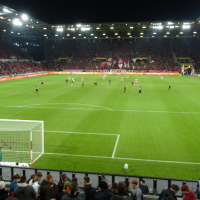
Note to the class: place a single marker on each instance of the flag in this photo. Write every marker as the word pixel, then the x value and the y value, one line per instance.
pixel 183 69
pixel 193 71
pixel 125 62
pixel 103 64
pixel 114 62
pixel 109 60
pixel 120 66
pixel 119 61
pixel 134 60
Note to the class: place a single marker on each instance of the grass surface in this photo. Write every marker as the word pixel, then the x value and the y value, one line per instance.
pixel 159 125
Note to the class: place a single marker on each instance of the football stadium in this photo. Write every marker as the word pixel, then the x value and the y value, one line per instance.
pixel 109 101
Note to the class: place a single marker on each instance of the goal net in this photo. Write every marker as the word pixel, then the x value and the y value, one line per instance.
pixel 22 141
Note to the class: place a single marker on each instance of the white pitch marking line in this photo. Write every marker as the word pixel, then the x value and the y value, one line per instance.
pixel 162 161
pixel 79 132
pixel 113 155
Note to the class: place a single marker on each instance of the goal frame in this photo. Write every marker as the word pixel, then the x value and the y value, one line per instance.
pixel 31 142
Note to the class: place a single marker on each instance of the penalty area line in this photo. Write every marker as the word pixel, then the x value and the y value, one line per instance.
pixel 116 143
pixel 118 158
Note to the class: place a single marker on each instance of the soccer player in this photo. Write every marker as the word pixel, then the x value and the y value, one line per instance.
pixel 42 82
pixel 136 80
pixel 140 90
pixel 132 82
pixel 124 88
pixel 122 79
pixel 72 80
pixel 127 76
pixel 161 77
pixel 180 75
pixel 104 77
pixel 36 91
pixel 169 87
pixel 82 83
pixel 109 81
pixel 67 80
pixel 95 83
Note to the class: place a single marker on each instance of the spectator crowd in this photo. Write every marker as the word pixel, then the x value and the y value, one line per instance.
pixel 67 189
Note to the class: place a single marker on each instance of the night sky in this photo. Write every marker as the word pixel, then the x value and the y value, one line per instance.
pixel 76 11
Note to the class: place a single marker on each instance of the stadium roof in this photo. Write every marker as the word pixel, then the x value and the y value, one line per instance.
pixel 17 24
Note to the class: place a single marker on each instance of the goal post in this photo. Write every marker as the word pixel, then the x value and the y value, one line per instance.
pixel 22 141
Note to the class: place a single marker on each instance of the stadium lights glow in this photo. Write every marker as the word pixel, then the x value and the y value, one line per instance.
pixel 17 22
pixel 79 34
pixel 16 14
pixel 165 35
pixel 194 35
pixel 181 32
pixel 104 34
pixel 128 33
pixel 77 29
pixel 186 26
pixel 56 35
pixel 169 23
pixel 168 33
pixel 60 29
pixel 177 35
pixel 118 36
pixel 45 28
pixel 91 34
pixel 6 10
pixel 131 27
pixel 1 17
pixel 144 27
pixel 116 33
pixel 9 20
pixel 27 25
pixel 171 26
pixel 154 33
pixel 130 36
pixel 74 37
pixel 85 29
pixel 32 27
pixel 157 27
pixel 84 37
pixel 25 17
pixel 68 34
pixel 126 24
pixel 37 22
pixel 95 37
pixel 78 25
pixel 195 32
pixel 176 26
pixel 141 36
pixel 68 29
pixel 72 29
pixel 45 35
pixel 141 33
pixel 18 33
pixel 12 32
pixel 111 27
pixel 4 30
pixel 97 28
pixel 63 37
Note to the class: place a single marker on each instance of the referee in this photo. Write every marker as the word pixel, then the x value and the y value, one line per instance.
pixel 140 90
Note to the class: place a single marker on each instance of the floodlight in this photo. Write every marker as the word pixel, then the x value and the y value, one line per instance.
pixel 68 34
pixel 12 32
pixel 128 33
pixel 141 36
pixel 45 35
pixel 165 35
pixel 169 23
pixel 168 33
pixel 177 35
pixel 72 29
pixel 176 26
pixel 97 28
pixel 157 27
pixel 195 32
pixel 60 29
pixel 106 36
pixel 16 21
pixel 171 26
pixel 6 10
pixel 45 28
pixel 111 27
pixel 18 33
pixel 79 34
pixel 74 37
pixel 95 37
pixel 130 36
pixel 9 20
pixel 92 34
pixel 141 33
pixel 186 26
pixel 78 25
pixel 118 36
pixel 181 32
pixel 4 30
pixel 116 33
pixel 85 29
pixel 84 37
pixel 144 27
pixel 24 17
pixel 154 33
pixel 56 34
pixel 103 34
pixel 131 27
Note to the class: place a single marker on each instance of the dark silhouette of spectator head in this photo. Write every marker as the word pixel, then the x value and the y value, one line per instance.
pixel 121 186
pixel 102 185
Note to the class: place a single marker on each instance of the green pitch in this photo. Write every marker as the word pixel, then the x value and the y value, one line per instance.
pixel 99 128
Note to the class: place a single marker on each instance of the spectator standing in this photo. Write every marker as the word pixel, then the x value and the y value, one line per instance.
pixel 188 195
pixel 67 183
pixel 31 177
pixel 103 192
pixel 169 192
pixel 136 193
pixel 144 187
pixel 24 191
pixel 34 183
pixel 89 190
pixel 45 188
pixel 58 194
pixel 114 188
pixel 127 187
pixel 14 184
pixel 73 194
pixel 3 192
pixel 121 187
pixel 53 186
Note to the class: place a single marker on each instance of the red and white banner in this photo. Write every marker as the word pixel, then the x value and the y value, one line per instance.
pixel 103 64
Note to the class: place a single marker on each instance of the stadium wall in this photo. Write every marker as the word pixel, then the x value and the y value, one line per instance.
pixel 95 73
